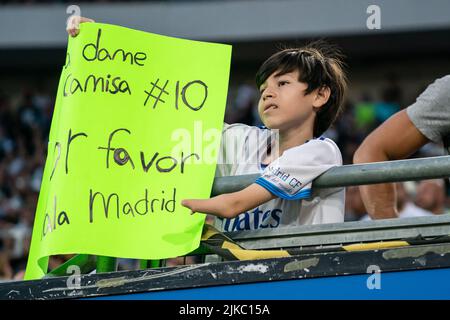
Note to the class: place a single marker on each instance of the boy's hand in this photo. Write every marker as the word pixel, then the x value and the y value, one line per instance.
pixel 214 206
pixel 190 204
pixel 229 205
pixel 73 24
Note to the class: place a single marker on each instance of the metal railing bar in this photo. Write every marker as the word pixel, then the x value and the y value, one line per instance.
pixel 359 174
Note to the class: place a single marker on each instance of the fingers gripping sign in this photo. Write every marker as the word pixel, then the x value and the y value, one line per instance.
pixel 74 20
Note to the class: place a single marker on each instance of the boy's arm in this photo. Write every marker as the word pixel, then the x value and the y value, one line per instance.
pixel 230 205
pixel 395 139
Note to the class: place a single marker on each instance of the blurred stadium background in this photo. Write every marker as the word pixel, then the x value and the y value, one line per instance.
pixel 388 68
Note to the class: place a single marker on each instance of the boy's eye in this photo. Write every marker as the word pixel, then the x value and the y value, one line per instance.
pixel 282 83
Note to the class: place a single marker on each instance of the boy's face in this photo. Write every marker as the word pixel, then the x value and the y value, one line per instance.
pixel 283 104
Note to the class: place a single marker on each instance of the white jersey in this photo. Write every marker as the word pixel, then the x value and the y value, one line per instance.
pixel 289 177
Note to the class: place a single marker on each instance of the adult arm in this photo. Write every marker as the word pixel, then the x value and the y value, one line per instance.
pixel 396 138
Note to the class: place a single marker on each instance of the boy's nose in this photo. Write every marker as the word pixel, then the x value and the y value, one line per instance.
pixel 268 93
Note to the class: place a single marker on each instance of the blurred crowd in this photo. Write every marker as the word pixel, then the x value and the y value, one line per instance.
pixel 24 127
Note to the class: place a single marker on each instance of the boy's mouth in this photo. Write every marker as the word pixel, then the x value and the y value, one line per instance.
pixel 270 107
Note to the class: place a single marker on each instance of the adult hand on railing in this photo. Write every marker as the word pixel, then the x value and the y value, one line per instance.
pixel 73 24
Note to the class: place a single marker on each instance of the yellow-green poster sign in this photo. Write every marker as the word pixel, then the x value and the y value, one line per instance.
pixel 134 132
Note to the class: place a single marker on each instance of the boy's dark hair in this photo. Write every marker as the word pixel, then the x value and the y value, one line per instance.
pixel 319 64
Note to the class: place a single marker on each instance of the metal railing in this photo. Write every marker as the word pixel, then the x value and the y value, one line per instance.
pixel 357 174
pixel 326 234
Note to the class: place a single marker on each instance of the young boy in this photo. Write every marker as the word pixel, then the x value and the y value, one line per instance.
pixel 302 93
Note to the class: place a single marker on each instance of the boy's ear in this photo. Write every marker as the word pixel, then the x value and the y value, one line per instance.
pixel 321 97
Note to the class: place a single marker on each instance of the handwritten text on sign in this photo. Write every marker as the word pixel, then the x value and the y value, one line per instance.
pixel 112 180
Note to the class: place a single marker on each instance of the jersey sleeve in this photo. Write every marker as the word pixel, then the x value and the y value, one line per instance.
pixel 230 148
pixel 430 113
pixel 290 176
